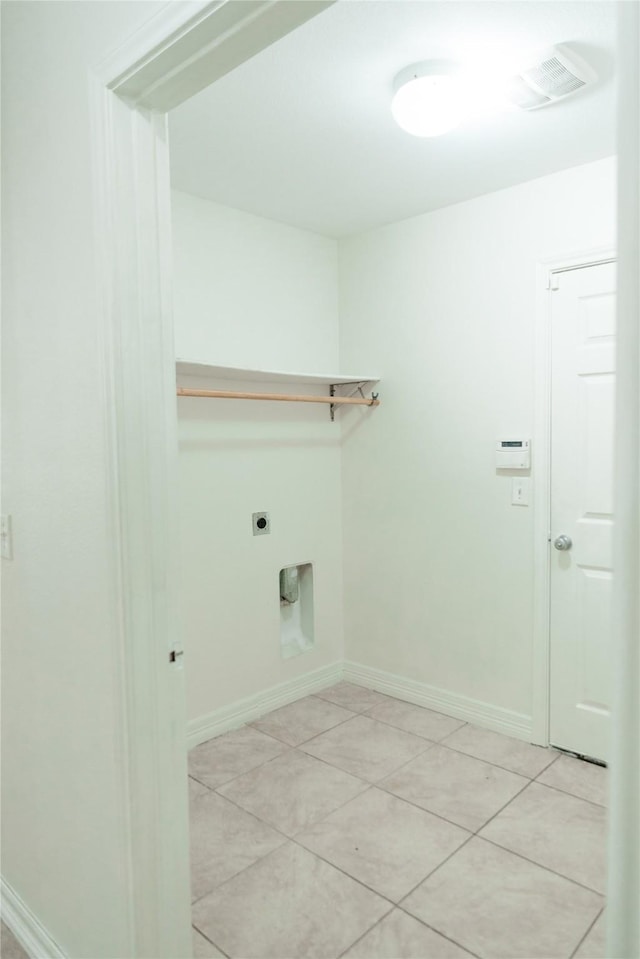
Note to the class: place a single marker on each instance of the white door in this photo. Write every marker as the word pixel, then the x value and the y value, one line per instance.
pixel 582 430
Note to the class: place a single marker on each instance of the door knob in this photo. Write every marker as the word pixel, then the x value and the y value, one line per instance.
pixel 563 542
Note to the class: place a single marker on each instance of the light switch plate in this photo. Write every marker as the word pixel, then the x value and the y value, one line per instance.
pixel 520 491
pixel 6 537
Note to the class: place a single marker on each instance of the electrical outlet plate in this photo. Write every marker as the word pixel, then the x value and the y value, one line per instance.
pixel 261 524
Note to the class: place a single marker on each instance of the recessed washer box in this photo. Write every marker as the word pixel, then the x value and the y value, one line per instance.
pixel 297 630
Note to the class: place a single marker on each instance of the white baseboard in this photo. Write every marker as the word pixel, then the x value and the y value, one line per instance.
pixel 474 711
pixel 470 710
pixel 26 927
pixel 245 710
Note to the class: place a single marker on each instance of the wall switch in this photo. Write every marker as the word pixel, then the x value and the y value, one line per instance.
pixel 520 491
pixel 6 537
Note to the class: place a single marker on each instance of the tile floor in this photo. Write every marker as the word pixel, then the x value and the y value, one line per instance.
pixel 10 948
pixel 350 824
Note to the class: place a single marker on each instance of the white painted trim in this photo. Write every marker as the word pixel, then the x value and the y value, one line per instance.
pixel 245 710
pixel 183 48
pixel 623 889
pixel 541 449
pixel 133 239
pixel 26 927
pixel 470 710
pixel 188 46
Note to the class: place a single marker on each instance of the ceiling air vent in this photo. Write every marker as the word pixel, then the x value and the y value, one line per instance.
pixel 557 73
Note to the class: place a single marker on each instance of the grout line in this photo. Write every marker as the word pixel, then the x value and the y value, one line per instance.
pixel 331 728
pixel 540 865
pixel 358 712
pixel 365 933
pixel 294 839
pixel 502 808
pixel 496 765
pixel 387 722
pixel 474 832
pixel 237 776
pixel 367 785
pixel 399 729
pixel 435 712
pixel 240 871
pixel 342 722
pixel 435 869
pixel 332 702
pixel 210 788
pixel 587 933
pixel 428 744
pixel 396 904
pixel 311 852
pixel 324 818
pixel 325 762
pixel 434 929
pixel 360 882
pixel 378 784
pixel 566 792
pixel 214 944
pixel 533 861
pixel 555 759
pixel 437 815
pixel 246 772
pixel 195 779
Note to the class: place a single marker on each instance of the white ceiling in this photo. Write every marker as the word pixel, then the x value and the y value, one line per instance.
pixel 302 133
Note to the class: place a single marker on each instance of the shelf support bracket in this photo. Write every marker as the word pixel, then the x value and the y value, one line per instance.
pixel 357 388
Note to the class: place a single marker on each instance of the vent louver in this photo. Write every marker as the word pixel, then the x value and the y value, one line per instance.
pixel 557 73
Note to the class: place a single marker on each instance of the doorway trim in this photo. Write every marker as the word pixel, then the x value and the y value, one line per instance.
pixel 178 52
pixel 546 270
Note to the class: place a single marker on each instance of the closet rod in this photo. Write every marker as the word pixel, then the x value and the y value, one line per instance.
pixel 282 397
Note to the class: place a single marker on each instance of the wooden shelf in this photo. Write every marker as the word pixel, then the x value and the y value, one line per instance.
pixel 208 371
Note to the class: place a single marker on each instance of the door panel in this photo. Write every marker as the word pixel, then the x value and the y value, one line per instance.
pixel 582 432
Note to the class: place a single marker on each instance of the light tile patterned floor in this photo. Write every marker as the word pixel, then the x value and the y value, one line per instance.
pixel 350 824
pixel 10 948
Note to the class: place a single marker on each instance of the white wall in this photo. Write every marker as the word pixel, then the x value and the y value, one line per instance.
pixel 64 844
pixel 438 564
pixel 251 292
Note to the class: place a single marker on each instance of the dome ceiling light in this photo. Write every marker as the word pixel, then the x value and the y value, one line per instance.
pixel 433 97
pixel 428 99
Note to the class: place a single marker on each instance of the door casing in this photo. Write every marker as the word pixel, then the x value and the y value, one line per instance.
pixel 181 50
pixel 541 482
pixel 574 722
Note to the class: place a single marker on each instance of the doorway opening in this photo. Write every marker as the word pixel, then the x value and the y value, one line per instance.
pixel 260 505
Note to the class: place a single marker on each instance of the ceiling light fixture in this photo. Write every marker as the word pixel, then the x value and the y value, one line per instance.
pixel 428 98
pixel 435 96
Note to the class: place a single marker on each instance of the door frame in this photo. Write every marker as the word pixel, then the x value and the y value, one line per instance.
pixel 175 54
pixel 181 50
pixel 546 270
